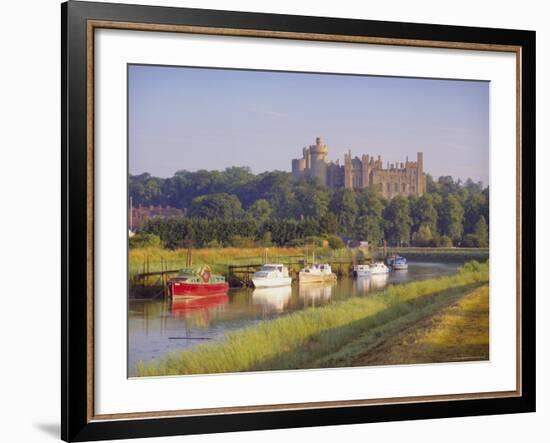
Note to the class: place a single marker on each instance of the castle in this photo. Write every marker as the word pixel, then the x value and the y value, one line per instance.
pixel 357 173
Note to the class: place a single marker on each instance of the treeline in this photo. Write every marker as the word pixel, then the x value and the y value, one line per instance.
pixel 236 207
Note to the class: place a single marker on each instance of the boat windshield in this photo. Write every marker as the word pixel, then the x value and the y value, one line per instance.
pixel 271 268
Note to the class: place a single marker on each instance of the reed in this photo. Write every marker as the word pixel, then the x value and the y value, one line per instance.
pixel 295 340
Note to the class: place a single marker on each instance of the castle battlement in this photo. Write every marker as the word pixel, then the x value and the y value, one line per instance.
pixel 399 178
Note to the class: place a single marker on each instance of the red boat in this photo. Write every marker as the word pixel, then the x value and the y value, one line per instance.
pixel 198 282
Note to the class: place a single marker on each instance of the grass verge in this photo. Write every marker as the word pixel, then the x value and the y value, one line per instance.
pixel 459 332
pixel 301 339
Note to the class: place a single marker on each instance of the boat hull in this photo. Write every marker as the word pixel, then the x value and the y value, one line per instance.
pixel 306 277
pixel 271 282
pixel 182 289
pixel 401 267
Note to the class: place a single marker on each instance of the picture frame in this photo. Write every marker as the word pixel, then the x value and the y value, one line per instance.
pixel 80 21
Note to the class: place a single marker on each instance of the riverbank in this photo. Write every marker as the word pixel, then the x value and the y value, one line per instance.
pixel 443 254
pixel 459 332
pixel 306 338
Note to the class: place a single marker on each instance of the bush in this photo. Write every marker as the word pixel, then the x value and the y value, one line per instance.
pixel 471 241
pixel 442 241
pixel 335 242
pixel 144 240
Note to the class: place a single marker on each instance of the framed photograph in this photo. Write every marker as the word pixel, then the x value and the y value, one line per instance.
pixel 275 221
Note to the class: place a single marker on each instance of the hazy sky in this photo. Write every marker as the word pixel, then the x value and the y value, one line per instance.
pixel 196 118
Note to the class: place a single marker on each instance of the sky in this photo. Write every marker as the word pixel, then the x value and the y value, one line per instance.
pixel 203 118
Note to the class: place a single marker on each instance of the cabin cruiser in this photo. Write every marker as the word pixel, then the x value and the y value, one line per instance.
pixel 271 275
pixel 379 268
pixel 400 263
pixel 316 273
pixel 361 270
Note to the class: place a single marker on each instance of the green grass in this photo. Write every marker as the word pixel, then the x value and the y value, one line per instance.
pixel 459 332
pixel 443 254
pixel 297 340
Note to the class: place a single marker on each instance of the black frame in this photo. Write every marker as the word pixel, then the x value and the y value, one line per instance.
pixel 74 421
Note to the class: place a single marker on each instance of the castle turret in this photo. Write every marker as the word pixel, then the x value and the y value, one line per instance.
pixel 318 159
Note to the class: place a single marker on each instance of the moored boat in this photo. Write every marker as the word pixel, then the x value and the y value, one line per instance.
pixel 379 268
pixel 316 273
pixel 361 270
pixel 197 282
pixel 400 263
pixel 271 275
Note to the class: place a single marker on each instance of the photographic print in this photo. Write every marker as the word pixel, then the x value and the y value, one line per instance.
pixel 302 220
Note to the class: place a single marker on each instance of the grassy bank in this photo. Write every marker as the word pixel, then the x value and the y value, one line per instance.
pixel 459 332
pixel 304 338
pixel 157 259
pixel 443 254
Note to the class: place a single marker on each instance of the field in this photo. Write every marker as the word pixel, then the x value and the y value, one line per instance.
pixel 331 336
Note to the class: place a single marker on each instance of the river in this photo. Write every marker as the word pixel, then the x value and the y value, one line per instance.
pixel 156 327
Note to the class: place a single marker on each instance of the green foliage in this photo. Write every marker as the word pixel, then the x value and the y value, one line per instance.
pixel 423 237
pixel 235 202
pixel 344 205
pixel 481 231
pixel 451 216
pixel 260 210
pixel 335 242
pixel 224 206
pixel 398 218
pixel 442 241
pixel 144 240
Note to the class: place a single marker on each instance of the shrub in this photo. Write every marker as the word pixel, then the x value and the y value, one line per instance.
pixel 471 241
pixel 144 240
pixel 335 242
pixel 442 241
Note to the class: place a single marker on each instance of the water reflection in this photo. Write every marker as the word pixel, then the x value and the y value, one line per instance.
pixel 313 294
pixel 370 283
pixel 272 299
pixel 184 307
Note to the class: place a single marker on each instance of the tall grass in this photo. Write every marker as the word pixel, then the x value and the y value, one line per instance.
pixel 259 346
pixel 219 258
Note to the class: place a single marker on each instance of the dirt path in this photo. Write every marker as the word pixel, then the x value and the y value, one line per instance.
pixel 459 332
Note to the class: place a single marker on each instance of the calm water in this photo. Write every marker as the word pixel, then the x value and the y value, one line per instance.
pixel 157 327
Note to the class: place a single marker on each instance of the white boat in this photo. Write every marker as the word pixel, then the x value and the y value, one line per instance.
pixel 271 276
pixel 400 264
pixel 361 270
pixel 379 268
pixel 316 273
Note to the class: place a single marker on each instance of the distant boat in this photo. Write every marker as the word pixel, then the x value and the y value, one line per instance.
pixel 400 263
pixel 197 282
pixel 378 268
pixel 316 273
pixel 271 275
pixel 361 270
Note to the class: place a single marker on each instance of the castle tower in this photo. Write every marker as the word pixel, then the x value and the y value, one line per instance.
pixel 348 171
pixel 318 159
pixel 365 166
pixel 420 179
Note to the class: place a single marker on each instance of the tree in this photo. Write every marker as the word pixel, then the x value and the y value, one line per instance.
pixel 223 206
pixel 451 215
pixel 398 220
pixel 369 228
pixel 475 206
pixel 481 232
pixel 260 210
pixel 423 213
pixel 423 237
pixel 344 205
